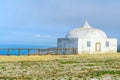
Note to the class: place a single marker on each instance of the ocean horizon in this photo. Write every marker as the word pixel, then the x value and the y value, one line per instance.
pixel 24 46
pixel 22 52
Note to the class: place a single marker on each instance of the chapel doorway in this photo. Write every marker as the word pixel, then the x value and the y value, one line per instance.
pixel 98 46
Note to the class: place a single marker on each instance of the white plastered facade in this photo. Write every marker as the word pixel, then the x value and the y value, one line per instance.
pixel 88 40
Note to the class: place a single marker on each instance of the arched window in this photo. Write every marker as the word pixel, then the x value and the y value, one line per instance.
pixel 88 43
pixel 107 44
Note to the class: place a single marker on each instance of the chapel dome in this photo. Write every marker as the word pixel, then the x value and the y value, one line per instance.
pixel 87 32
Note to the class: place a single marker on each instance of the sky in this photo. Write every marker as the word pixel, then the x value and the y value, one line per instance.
pixel 41 22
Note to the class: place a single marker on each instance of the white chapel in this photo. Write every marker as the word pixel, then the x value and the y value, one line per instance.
pixel 88 40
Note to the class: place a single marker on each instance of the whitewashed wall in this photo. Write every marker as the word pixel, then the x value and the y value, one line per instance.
pixel 113 45
pixel 82 45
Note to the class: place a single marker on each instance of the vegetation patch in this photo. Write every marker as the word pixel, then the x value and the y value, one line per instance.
pixel 69 61
pixel 66 67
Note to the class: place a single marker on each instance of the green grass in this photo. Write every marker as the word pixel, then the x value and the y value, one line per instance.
pixel 67 67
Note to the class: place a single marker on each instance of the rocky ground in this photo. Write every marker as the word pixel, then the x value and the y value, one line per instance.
pixel 72 67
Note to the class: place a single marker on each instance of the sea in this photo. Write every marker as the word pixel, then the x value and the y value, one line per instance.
pixel 4 51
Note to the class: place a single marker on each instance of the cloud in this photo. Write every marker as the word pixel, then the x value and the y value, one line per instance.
pixel 13 37
pixel 43 36
pixel 42 21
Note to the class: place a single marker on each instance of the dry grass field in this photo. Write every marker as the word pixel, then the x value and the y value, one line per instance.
pixel 61 67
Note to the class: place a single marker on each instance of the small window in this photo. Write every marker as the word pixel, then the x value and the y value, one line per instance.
pixel 88 44
pixel 107 44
